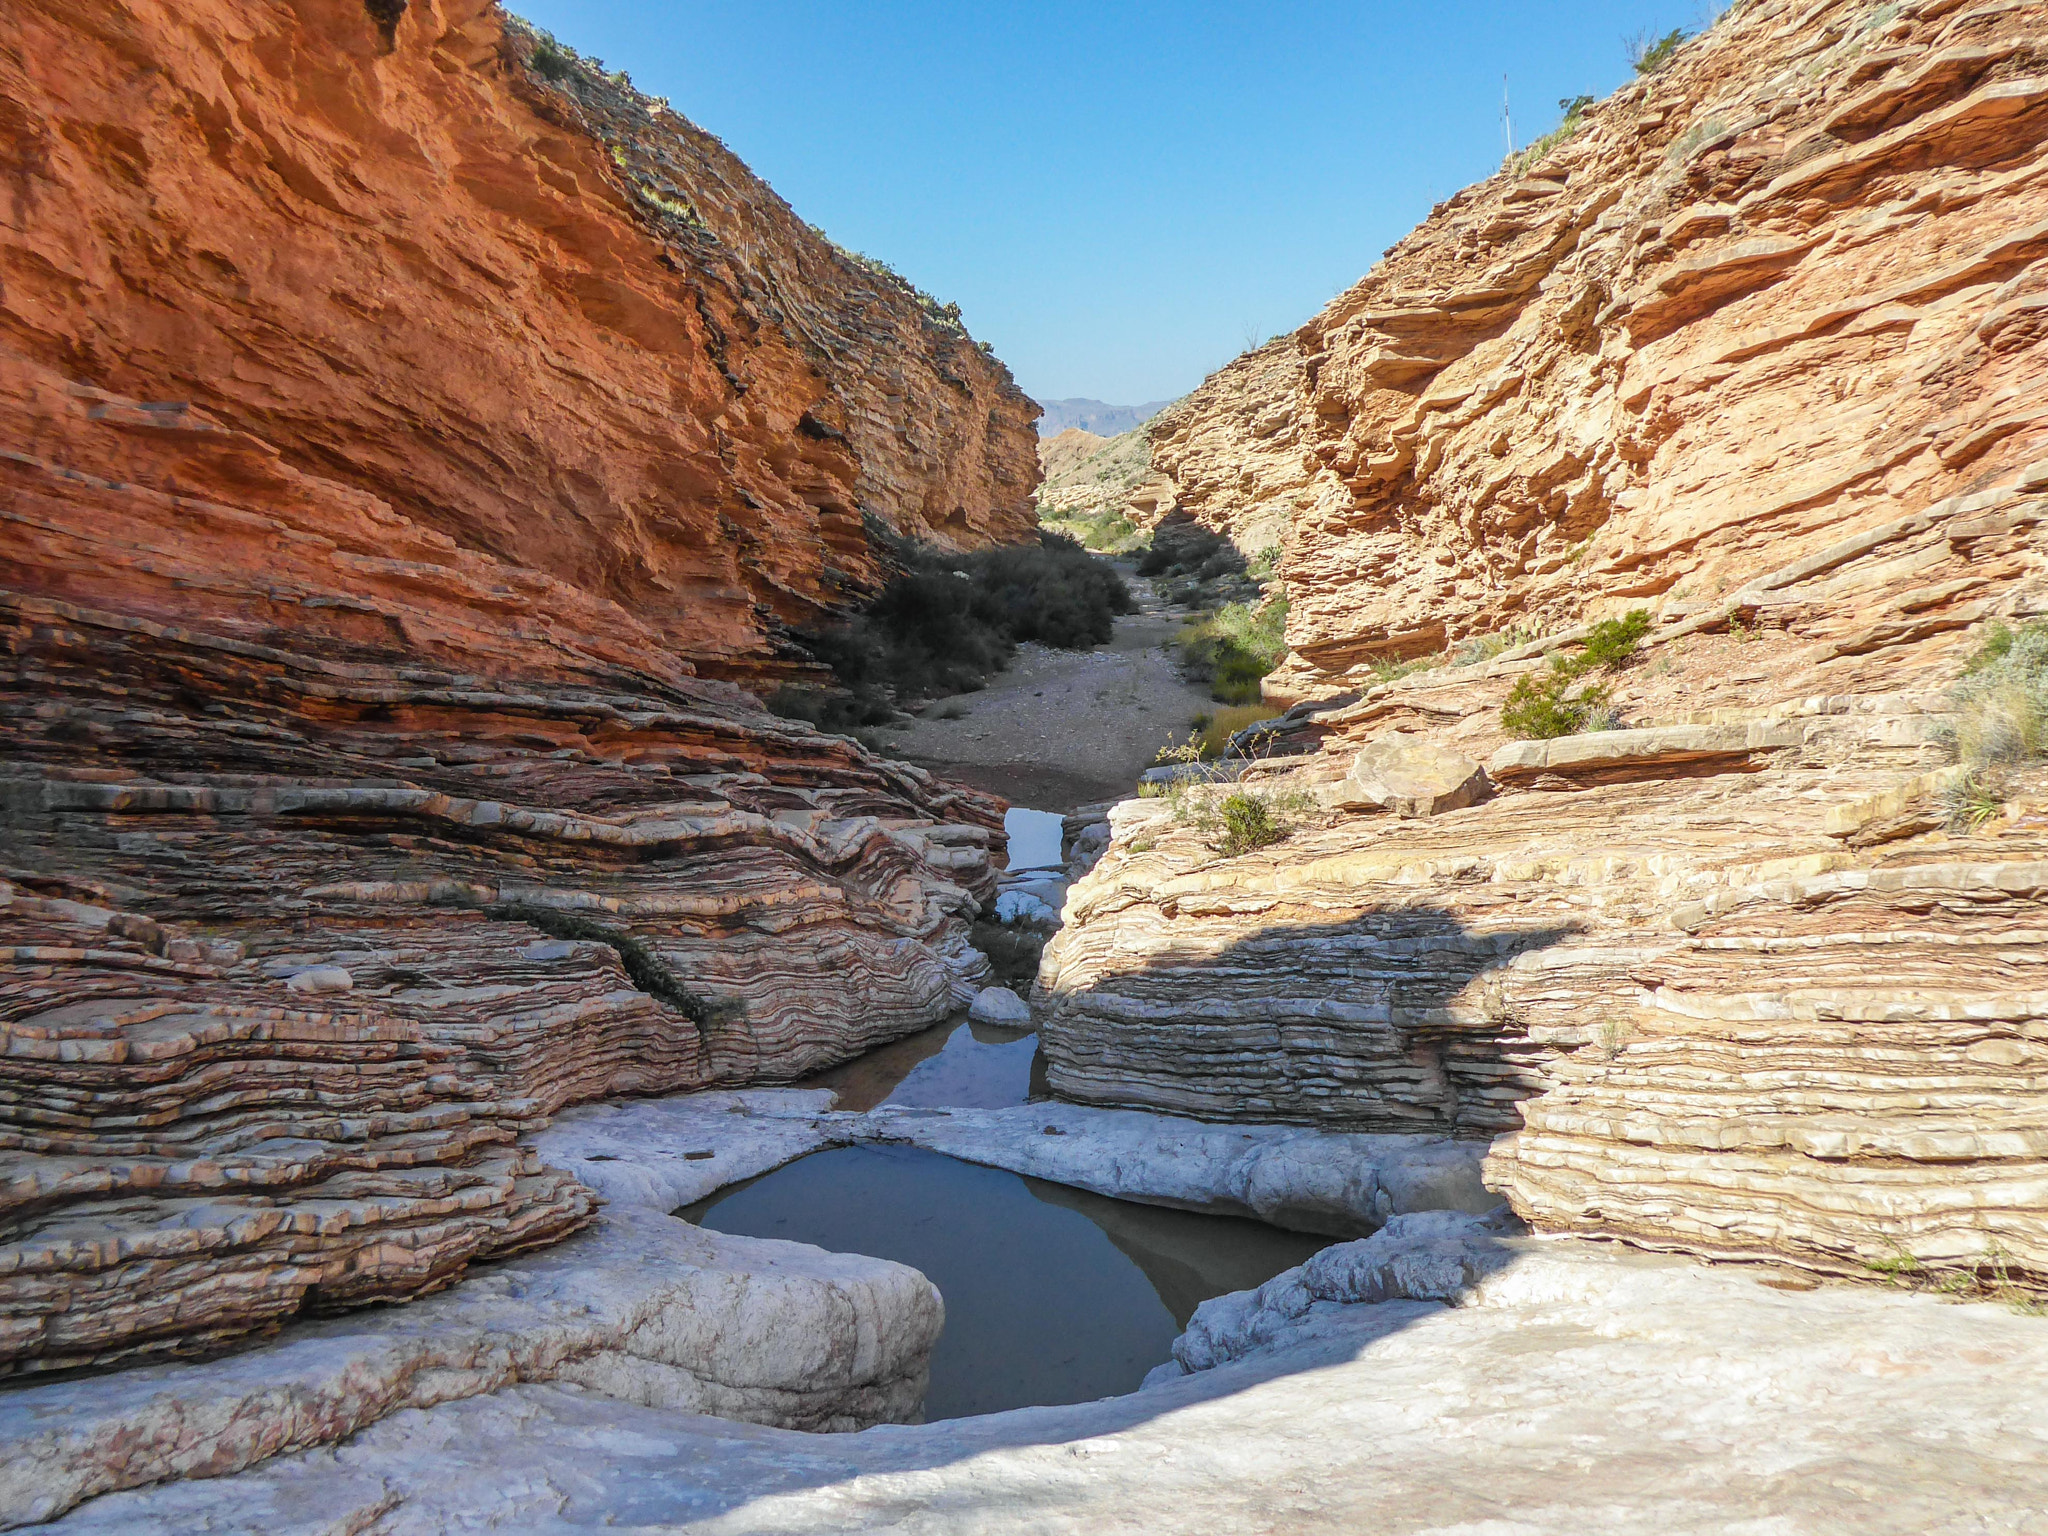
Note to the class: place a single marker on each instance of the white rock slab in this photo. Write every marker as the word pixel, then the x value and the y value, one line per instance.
pixel 1309 1180
pixel 643 1308
pixel 1574 1389
pixel 671 1152
pixel 1018 906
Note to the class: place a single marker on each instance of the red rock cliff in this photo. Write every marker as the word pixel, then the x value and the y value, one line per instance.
pixel 559 325
pixel 393 466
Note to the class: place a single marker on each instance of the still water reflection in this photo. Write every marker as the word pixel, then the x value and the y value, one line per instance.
pixel 1053 1295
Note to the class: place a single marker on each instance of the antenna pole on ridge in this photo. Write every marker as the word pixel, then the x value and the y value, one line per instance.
pixel 1507 121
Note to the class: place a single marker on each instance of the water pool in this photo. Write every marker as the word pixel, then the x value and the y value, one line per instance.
pixel 1053 1295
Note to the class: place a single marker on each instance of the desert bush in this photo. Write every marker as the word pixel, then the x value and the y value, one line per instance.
pixel 1235 647
pixel 1551 703
pixel 1559 700
pixel 1234 819
pixel 1183 547
pixel 2002 700
pixel 946 622
pixel 1612 642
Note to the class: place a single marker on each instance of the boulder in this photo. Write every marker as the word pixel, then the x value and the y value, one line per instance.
pixel 1409 777
pixel 999 1005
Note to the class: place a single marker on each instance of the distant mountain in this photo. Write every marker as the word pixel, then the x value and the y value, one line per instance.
pixel 1094 416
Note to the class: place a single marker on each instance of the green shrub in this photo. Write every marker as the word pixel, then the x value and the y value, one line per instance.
pixel 549 60
pixel 2002 701
pixel 1248 823
pixel 1538 708
pixel 1235 647
pixel 1235 819
pixel 1613 641
pixel 1558 701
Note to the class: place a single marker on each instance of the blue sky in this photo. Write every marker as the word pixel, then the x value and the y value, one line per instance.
pixel 1119 195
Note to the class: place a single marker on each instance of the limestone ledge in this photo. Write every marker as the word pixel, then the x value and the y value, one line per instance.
pixel 1728 979
pixel 1541 1396
pixel 649 1310
pixel 665 1153
pixel 642 1308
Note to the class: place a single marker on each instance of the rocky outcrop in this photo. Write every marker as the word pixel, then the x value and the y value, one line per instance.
pixel 1781 292
pixel 386 484
pixel 1732 977
pixel 643 1309
pixel 537 314
pixel 1748 347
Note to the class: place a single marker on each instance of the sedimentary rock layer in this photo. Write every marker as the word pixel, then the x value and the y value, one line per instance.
pixel 1732 977
pixel 1754 345
pixel 643 1309
pixel 1784 290
pixel 383 480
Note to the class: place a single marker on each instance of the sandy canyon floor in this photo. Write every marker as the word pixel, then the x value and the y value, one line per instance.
pixel 1062 728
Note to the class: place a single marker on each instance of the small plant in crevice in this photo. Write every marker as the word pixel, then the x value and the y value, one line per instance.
pixel 1387 669
pixel 1562 700
pixel 1648 54
pixel 1483 648
pixel 1574 109
pixel 1234 819
pixel 1988 1278
pixel 1976 799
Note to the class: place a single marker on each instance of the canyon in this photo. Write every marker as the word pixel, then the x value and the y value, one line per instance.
pixel 423 452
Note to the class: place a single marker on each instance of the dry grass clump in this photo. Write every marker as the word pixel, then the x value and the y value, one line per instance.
pixel 2002 701
pixel 1212 732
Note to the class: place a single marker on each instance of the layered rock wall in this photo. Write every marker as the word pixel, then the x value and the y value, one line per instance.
pixel 543 317
pixel 382 494
pixel 1786 289
pixel 1756 349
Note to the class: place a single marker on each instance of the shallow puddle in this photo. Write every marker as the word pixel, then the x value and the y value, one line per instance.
pixel 1053 1295
pixel 1034 838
